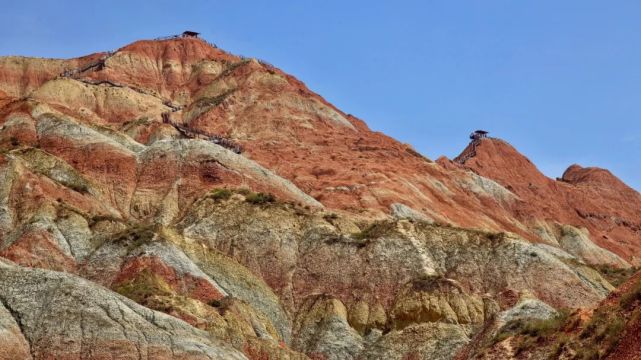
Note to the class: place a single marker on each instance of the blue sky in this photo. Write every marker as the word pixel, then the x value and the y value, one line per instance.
pixel 560 80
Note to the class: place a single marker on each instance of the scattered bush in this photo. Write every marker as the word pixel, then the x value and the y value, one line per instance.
pixel 260 198
pixel 496 236
pixel 587 354
pixel 144 285
pixel 220 194
pixel 135 236
pixel 213 101
pixel 616 276
pixel 80 187
pixel 374 230
pixel 630 298
pixel 330 217
pixel 244 191
pixel 532 332
pixel 601 335
pixel 215 303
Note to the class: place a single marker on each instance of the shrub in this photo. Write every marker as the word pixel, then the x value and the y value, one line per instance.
pixel 260 198
pixel 546 327
pixel 373 230
pixel 220 194
pixel 587 354
pixel 144 285
pixel 496 236
pixel 135 236
pixel 601 334
pixel 79 187
pixel 329 217
pixel 215 303
pixel 616 276
pixel 630 298
pixel 532 329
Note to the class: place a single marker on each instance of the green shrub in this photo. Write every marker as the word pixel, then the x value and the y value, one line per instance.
pixel 532 329
pixel 260 198
pixel 616 276
pixel 135 236
pixel 215 303
pixel 329 217
pixel 374 230
pixel 220 194
pixel 144 285
pixel 79 187
pixel 601 334
pixel 587 354
pixel 630 298
pixel 546 327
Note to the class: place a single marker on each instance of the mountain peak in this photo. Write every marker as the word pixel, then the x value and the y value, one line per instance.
pixel 497 159
pixel 185 49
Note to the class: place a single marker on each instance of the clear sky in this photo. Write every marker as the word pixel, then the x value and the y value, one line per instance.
pixel 560 80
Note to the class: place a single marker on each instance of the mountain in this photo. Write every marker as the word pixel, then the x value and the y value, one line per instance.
pixel 171 200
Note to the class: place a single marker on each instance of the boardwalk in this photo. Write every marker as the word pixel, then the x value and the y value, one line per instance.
pixel 195 133
pixel 96 65
pixel 469 152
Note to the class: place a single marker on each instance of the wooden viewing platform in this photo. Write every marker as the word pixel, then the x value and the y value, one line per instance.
pixel 470 151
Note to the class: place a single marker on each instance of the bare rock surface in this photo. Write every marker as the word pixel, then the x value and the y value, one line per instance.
pixel 78 319
pixel 171 200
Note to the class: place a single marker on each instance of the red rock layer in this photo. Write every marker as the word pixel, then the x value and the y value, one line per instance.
pixel 184 284
pixel 294 132
pixel 588 197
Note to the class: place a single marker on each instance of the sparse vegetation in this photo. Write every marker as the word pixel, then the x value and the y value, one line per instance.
pixel 206 102
pixel 244 191
pixel 534 328
pixel 78 187
pixel 135 236
pixel 616 276
pixel 251 197
pixel 494 236
pixel 220 194
pixel 260 198
pixel 330 217
pixel 600 335
pixel 374 230
pixel 93 219
pixel 143 286
pixel 215 303
pixel 137 122
pixel 631 297
pixel 530 334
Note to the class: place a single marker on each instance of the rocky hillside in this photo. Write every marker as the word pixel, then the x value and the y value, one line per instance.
pixel 130 227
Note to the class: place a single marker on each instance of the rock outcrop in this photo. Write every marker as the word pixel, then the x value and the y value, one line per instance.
pixel 79 319
pixel 590 198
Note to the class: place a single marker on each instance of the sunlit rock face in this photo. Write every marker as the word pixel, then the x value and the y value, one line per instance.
pixel 123 235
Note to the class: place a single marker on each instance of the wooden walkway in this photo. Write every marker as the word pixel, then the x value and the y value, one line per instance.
pixel 185 130
pixel 469 152
pixel 96 65
pixel 195 133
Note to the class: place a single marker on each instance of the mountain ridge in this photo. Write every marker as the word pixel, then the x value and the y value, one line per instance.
pixel 322 239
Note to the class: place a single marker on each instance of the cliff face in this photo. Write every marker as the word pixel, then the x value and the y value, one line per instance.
pixel 322 239
pixel 592 199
